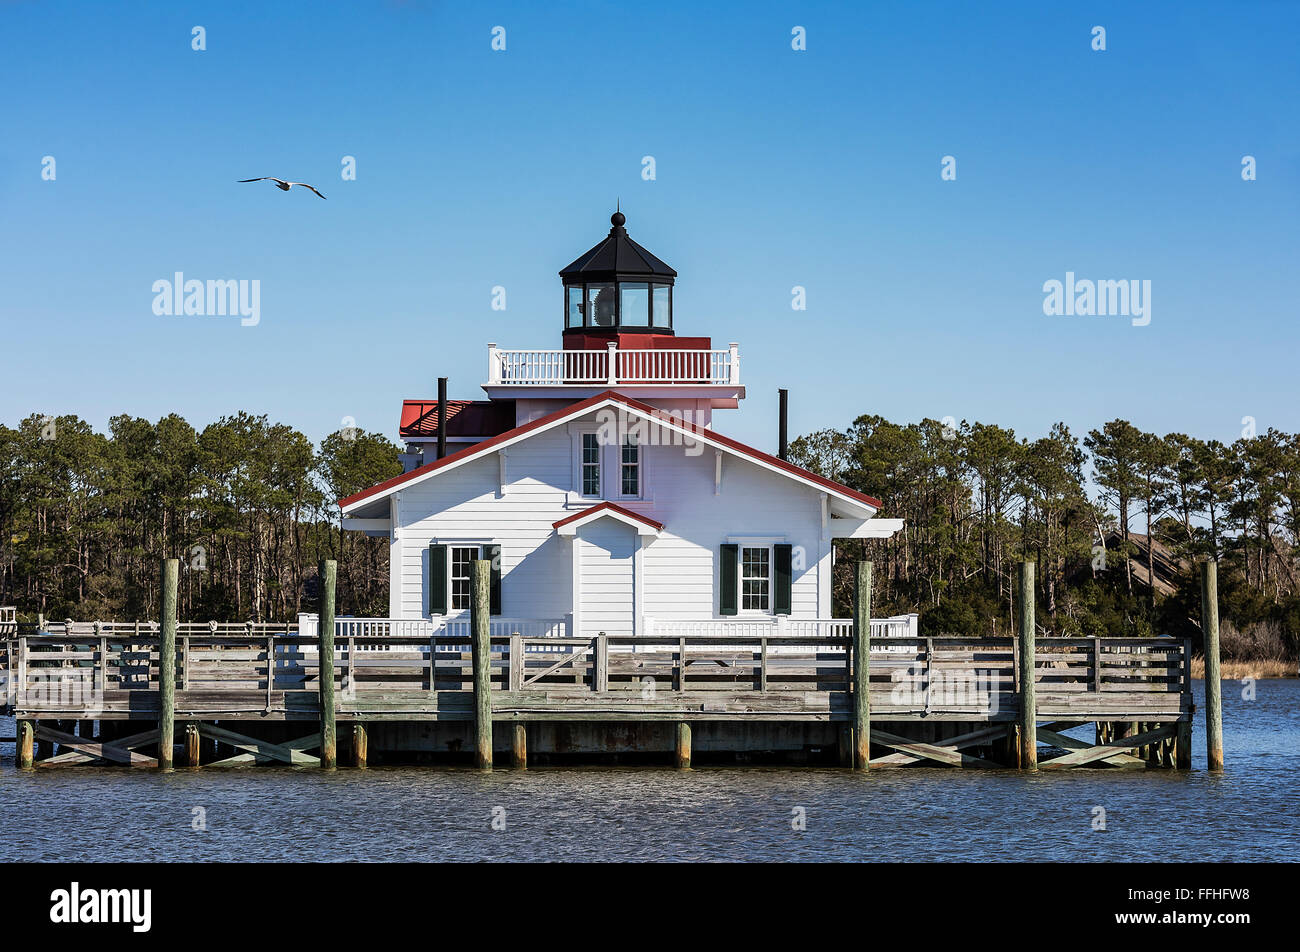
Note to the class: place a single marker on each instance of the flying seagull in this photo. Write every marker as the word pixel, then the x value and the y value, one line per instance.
pixel 280 183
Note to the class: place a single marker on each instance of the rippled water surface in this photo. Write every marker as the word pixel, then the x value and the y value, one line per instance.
pixel 419 813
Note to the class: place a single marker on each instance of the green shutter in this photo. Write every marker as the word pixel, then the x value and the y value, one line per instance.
pixel 437 579
pixel 782 584
pixel 493 554
pixel 728 566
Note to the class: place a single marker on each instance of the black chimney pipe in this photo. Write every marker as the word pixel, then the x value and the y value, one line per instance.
pixel 783 446
pixel 442 417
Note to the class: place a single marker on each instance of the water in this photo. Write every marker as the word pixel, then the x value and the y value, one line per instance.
pixel 428 814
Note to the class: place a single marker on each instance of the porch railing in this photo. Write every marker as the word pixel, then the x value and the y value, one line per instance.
pixel 239 673
pixel 611 366
pixel 896 626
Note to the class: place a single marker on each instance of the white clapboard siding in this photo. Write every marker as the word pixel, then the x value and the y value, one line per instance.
pixel 679 567
pixel 606 548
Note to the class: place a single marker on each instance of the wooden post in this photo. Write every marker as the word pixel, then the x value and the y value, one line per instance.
pixel 683 757
pixel 44 748
pixel 600 669
pixel 328 571
pixel 1213 687
pixel 1183 743
pixel 516 662
pixel 192 746
pixel 1028 696
pixel 519 746
pixel 862 666
pixel 360 745
pixel 171 569
pixel 24 747
pixel 481 654
pixel 844 745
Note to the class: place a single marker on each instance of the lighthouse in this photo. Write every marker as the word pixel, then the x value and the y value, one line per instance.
pixel 592 476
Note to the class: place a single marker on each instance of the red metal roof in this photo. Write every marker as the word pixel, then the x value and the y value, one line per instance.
pixel 609 507
pixel 464 417
pixel 582 406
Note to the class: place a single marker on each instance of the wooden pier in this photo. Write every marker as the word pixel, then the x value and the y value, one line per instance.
pixel 259 694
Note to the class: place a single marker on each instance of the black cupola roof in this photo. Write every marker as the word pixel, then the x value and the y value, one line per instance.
pixel 616 258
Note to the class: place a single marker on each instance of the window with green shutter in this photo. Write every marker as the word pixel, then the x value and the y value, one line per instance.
pixel 783 584
pixel 437 579
pixel 450 577
pixel 728 563
pixel 493 554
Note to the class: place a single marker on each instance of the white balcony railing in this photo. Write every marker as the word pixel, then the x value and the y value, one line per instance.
pixel 612 366
pixel 896 626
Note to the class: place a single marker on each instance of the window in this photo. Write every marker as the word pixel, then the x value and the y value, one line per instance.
pixel 461 559
pixel 755 579
pixel 633 304
pixel 662 308
pixel 600 305
pixel 573 307
pixel 590 464
pixel 630 468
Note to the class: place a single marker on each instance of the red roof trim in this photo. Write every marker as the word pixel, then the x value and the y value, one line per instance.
pixel 609 507
pixel 577 409
pixel 472 450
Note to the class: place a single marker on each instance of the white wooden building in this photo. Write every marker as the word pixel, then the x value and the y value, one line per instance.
pixel 593 478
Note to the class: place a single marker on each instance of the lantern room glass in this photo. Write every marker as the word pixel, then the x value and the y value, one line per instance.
pixel 633 304
pixel 573 307
pixel 661 306
pixel 640 305
pixel 600 308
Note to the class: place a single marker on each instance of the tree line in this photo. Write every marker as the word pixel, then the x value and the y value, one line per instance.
pixel 247 505
pixel 976 500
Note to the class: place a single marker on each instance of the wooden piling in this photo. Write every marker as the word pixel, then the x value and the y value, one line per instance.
pixel 1028 723
pixel 171 569
pixel 360 745
pixel 683 752
pixel 519 746
pixel 1213 686
pixel 862 666
pixel 193 755
pixel 1183 741
pixel 481 648
pixel 25 746
pixel 328 571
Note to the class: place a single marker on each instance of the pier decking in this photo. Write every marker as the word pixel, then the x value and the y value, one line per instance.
pixel 930 698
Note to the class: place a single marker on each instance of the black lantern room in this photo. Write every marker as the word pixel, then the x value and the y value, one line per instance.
pixel 619 287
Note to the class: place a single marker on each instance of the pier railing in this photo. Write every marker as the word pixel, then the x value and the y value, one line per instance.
pixel 246 671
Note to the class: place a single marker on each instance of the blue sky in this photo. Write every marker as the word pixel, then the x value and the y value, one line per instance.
pixel 775 168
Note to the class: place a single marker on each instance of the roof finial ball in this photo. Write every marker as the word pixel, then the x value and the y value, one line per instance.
pixel 618 219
